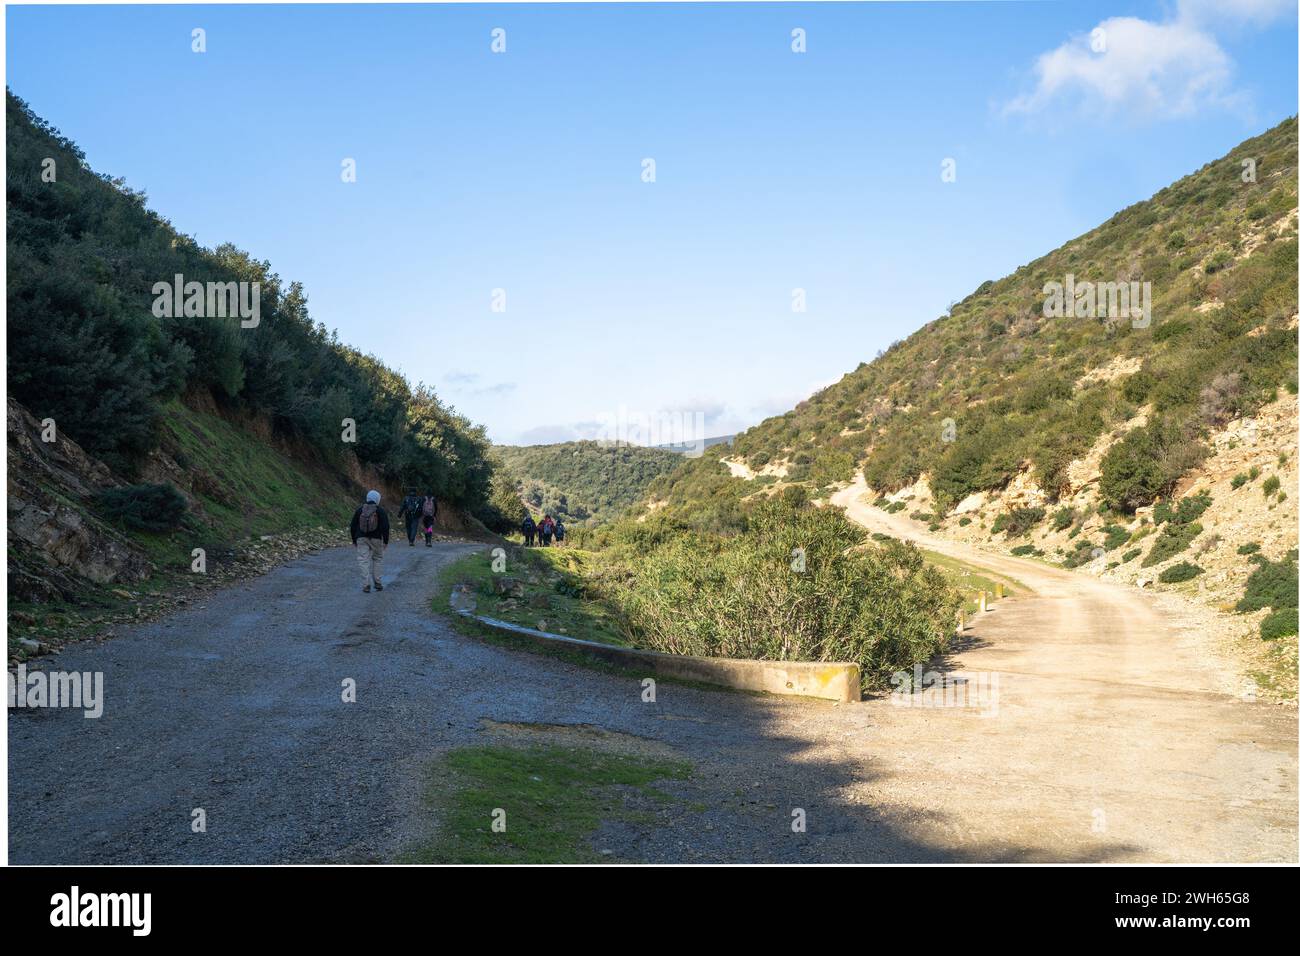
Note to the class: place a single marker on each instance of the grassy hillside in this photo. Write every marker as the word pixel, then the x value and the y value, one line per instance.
pixel 584 481
pixel 995 387
pixel 86 551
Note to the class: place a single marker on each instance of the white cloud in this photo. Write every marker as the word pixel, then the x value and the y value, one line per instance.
pixel 1144 68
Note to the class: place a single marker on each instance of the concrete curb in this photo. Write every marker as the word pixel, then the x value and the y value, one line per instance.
pixel 828 681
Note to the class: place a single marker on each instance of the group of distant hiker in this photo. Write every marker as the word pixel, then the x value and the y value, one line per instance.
pixel 370 531
pixel 542 531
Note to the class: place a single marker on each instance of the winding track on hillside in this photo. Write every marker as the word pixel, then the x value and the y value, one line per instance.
pixel 1108 743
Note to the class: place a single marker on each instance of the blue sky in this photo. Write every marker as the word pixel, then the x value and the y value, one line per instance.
pixel 522 170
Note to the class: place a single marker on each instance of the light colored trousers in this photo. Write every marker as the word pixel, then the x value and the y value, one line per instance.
pixel 370 558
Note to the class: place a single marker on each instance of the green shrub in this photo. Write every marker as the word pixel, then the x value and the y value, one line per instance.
pixel 143 507
pixel 1238 480
pixel 1217 262
pixel 1116 537
pixel 1130 555
pixel 1062 519
pixel 1173 540
pixel 1146 463
pixel 882 606
pixel 1018 521
pixel 1271 584
pixel 1081 555
pixel 1271 484
pixel 1177 573
pixel 1281 623
pixel 1186 511
pixel 964 521
pixel 1248 548
pixel 1022 549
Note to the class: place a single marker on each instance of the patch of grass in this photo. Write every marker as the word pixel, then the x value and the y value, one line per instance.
pixel 551 800
pixel 553 592
pixel 970 580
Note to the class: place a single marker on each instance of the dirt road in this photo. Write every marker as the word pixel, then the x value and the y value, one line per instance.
pixel 1107 744
pixel 1113 705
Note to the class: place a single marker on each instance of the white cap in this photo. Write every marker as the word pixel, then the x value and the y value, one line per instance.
pixel 373 497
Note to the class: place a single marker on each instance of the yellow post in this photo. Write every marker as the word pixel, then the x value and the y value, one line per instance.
pixel 997 591
pixel 984 601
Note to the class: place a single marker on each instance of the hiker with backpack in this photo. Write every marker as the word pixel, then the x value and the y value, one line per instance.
pixel 559 532
pixel 546 528
pixel 428 512
pixel 369 537
pixel 529 528
pixel 410 512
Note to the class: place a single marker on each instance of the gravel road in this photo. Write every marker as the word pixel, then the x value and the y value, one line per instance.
pixel 235 707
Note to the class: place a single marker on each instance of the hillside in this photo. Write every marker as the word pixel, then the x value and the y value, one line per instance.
pixel 137 436
pixel 1087 441
pixel 584 481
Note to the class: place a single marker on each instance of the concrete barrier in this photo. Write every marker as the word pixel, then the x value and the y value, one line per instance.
pixel 828 681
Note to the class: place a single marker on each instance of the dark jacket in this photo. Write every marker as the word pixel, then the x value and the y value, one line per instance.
pixel 410 509
pixel 529 526
pixel 380 532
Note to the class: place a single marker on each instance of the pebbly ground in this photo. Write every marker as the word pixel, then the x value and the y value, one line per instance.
pixel 234 706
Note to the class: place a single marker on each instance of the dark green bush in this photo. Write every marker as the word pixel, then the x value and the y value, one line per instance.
pixel 1116 537
pixel 739 596
pixel 1146 463
pixel 143 507
pixel 1174 539
pixel 1177 573
pixel 1018 521
pixel 1271 584
pixel 1185 512
pixel 1281 623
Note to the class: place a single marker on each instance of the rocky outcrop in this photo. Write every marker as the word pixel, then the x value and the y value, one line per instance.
pixel 53 540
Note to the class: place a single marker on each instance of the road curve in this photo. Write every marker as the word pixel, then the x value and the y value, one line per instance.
pixel 1105 745
pixel 1113 701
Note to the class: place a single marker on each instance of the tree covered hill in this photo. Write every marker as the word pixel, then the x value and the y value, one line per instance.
pixel 996 387
pixel 86 348
pixel 584 481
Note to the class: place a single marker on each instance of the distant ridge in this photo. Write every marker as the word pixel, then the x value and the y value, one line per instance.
pixel 684 448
